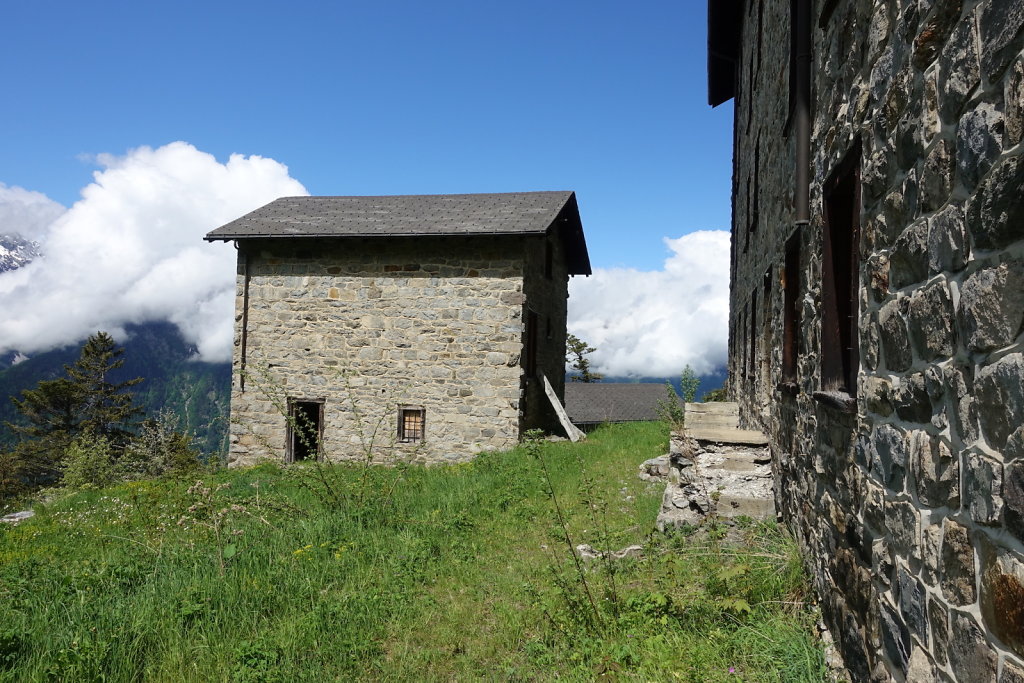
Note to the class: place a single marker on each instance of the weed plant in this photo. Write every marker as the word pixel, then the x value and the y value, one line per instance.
pixel 466 574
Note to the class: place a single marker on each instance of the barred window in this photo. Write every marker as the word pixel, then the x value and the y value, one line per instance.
pixel 412 423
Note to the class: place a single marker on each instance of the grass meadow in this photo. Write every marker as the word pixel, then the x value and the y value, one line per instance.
pixel 350 573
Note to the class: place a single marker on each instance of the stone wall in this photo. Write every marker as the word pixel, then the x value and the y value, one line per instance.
pixel 368 325
pixel 909 501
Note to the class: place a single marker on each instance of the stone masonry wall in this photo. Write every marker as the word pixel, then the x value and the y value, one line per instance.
pixel 369 325
pixel 910 506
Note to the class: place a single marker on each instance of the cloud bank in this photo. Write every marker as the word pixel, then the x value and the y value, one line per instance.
pixel 654 323
pixel 26 213
pixel 131 250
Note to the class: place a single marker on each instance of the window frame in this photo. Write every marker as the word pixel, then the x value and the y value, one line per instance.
pixel 416 434
pixel 840 290
pixel 791 309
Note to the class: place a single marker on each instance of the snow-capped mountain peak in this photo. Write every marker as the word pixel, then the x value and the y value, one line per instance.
pixel 16 251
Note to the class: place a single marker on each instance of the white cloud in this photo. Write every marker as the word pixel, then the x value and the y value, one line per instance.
pixel 654 323
pixel 131 250
pixel 26 213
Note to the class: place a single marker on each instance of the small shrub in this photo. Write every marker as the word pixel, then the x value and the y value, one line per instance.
pixel 670 410
pixel 159 448
pixel 88 463
pixel 688 384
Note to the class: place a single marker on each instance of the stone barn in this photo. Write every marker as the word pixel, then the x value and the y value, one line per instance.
pixel 877 301
pixel 403 327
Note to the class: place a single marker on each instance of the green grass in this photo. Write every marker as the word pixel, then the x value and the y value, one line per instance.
pixel 459 573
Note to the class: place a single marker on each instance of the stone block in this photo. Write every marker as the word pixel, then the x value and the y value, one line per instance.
pixel 959 70
pixel 1013 498
pixel 1014 448
pixel 895 336
pixel 874 507
pixel 920 669
pixel 958 569
pixel 852 579
pixel 1002 595
pixel 878 276
pixel 992 306
pixel 889 456
pixel 895 636
pixel 882 561
pixel 938 622
pixel 930 312
pixel 877 392
pixel 1000 29
pixel 983 485
pixel 910 598
pixel 899 208
pixel 948 246
pixel 908 262
pixel 960 384
pixel 1012 672
pixel 936 471
pixel 995 215
pixel 970 655
pixel 935 32
pixel 911 398
pixel 1013 96
pixel 904 525
pixel 931 553
pixel 937 175
pixel 979 141
pixel 999 392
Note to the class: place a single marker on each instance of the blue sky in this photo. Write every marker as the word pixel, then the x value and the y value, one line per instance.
pixel 608 99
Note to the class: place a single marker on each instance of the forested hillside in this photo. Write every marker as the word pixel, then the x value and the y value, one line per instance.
pixel 198 393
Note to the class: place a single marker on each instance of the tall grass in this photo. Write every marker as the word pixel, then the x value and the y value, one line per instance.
pixel 462 574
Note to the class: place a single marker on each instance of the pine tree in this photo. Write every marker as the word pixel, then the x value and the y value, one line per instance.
pixel 576 350
pixel 85 401
pixel 106 409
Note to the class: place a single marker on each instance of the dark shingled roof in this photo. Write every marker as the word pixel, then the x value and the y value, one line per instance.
pixel 511 213
pixel 597 402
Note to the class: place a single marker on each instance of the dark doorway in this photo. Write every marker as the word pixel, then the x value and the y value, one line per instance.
pixel 305 429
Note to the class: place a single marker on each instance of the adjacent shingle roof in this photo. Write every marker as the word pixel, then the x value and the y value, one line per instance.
pixel 597 402
pixel 417 215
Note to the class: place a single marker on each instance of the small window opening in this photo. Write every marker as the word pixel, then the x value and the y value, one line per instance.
pixel 305 429
pixel 790 309
pixel 840 353
pixel 412 424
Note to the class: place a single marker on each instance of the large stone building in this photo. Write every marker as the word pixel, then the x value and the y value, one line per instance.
pixel 415 327
pixel 876 312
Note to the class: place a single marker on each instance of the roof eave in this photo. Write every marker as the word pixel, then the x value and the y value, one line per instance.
pixel 724 23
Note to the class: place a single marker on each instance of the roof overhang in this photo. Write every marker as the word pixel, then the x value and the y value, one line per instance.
pixel 285 219
pixel 724 23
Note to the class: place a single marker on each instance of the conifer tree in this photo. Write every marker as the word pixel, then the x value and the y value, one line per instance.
pixel 576 351
pixel 106 409
pixel 86 400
